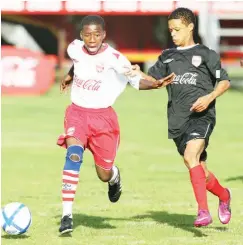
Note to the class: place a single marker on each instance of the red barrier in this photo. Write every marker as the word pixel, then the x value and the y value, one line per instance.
pixel 25 72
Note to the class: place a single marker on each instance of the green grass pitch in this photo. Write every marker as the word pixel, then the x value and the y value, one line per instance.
pixel 157 205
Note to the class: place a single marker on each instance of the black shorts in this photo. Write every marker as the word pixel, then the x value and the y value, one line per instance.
pixel 198 129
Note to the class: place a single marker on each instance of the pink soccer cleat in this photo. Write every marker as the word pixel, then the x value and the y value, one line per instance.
pixel 203 218
pixel 224 211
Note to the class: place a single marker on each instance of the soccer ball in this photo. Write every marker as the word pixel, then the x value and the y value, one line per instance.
pixel 15 218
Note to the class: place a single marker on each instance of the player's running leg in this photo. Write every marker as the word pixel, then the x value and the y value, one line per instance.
pixel 104 144
pixel 114 185
pixel 224 195
pixel 192 153
pixel 70 178
pixel 104 162
pixel 74 140
pixel 112 176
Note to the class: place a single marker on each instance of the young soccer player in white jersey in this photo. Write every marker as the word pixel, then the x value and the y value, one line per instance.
pixel 96 79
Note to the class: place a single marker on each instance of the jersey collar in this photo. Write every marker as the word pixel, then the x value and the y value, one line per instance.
pixel 187 47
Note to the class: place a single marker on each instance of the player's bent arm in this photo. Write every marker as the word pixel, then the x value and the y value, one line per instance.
pixel 69 76
pixel 220 75
pixel 221 87
pixel 71 71
pixel 67 80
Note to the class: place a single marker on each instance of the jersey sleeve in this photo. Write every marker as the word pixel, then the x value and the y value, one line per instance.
pixel 214 66
pixel 158 70
pixel 73 48
pixel 122 66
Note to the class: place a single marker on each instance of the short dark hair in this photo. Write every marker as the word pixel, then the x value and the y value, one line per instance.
pixel 93 19
pixel 185 14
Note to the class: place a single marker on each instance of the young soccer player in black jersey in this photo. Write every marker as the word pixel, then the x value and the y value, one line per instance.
pixel 199 80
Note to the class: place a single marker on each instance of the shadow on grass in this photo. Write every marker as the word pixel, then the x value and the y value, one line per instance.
pixel 235 178
pixel 219 228
pixel 180 221
pixel 96 222
pixel 20 237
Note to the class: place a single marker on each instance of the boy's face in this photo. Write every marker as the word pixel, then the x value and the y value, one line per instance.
pixel 180 32
pixel 93 36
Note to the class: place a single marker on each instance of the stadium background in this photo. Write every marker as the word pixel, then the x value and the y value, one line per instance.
pixel 34 38
pixel 136 28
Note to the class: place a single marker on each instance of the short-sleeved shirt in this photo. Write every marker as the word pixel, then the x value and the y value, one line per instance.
pixel 197 70
pixel 98 79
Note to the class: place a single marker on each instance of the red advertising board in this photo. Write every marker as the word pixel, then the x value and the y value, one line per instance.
pixel 114 7
pixel 25 72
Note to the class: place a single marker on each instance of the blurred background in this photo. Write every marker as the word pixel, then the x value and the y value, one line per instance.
pixel 43 29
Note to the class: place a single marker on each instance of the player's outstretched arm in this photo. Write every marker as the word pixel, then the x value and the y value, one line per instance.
pixel 146 84
pixel 66 82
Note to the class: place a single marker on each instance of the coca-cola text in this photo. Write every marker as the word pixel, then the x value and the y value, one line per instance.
pixel 186 78
pixel 90 84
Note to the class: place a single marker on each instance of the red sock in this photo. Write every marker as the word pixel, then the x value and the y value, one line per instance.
pixel 198 180
pixel 218 190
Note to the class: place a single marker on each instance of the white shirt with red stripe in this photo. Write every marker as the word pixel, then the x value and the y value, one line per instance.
pixel 98 79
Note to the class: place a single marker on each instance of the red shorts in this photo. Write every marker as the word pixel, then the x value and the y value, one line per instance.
pixel 97 129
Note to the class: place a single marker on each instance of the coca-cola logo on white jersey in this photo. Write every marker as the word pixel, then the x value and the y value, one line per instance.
pixel 90 84
pixel 18 71
pixel 186 78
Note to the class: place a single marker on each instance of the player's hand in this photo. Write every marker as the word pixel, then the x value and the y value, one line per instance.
pixel 165 81
pixel 133 71
pixel 65 84
pixel 202 103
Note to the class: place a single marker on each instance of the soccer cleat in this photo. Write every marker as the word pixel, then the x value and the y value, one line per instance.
pixel 203 218
pixel 115 190
pixel 66 225
pixel 224 210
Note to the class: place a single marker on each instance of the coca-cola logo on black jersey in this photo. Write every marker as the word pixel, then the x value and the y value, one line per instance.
pixel 186 78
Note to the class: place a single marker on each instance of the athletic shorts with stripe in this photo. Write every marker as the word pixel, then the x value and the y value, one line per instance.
pixel 197 129
pixel 97 129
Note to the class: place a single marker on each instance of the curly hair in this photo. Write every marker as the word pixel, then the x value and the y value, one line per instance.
pixel 185 14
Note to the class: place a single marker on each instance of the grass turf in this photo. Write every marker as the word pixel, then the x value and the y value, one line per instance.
pixel 157 205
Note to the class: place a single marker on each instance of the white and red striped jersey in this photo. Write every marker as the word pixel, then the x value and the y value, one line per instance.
pixel 98 79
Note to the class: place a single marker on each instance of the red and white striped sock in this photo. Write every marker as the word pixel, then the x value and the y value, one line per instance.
pixel 70 180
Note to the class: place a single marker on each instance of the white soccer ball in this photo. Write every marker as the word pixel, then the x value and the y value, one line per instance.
pixel 15 218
